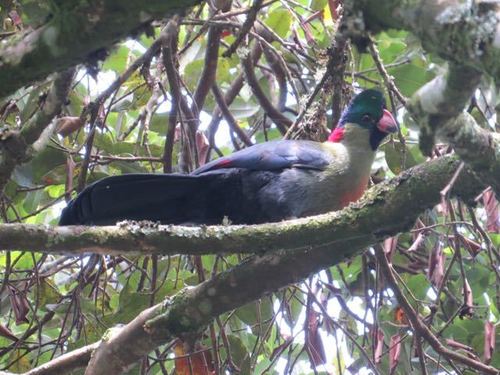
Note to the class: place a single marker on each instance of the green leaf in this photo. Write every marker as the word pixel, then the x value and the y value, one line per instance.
pixel 47 292
pixel 399 157
pixel 192 73
pixel 130 305
pixel 55 191
pixel 391 47
pixel 141 97
pixel 35 12
pixel 42 169
pixel 495 361
pixel 465 330
pixel 20 361
pixel 479 279
pixel 495 238
pixel 279 20
pixel 223 74
pixel 255 312
pixel 118 59
pixel 296 307
pixel 33 200
pixel 108 143
pixel 419 286
pixel 29 104
pixel 272 133
pixel 410 77
pixel 128 167
pixel 159 122
pixel 243 109
pixel 318 4
pixel 239 352
pixel 92 332
pixel 23 261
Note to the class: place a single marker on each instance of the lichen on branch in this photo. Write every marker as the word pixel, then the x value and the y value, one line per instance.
pixel 73 34
pixel 386 209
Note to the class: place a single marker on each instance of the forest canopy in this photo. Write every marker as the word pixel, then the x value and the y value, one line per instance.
pixel 406 280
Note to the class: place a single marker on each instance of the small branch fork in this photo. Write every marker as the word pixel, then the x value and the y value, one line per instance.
pixel 388 80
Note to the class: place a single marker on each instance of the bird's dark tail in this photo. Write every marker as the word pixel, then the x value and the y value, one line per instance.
pixel 168 198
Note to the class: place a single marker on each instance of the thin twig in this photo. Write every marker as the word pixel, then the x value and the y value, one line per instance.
pixel 281 121
pixel 383 71
pixel 233 124
pixel 245 28
pixel 422 328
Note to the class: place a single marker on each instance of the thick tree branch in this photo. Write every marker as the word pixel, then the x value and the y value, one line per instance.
pixel 388 208
pixel 441 100
pixel 74 32
pixel 438 108
pixel 477 147
pixel 467 33
pixel 192 309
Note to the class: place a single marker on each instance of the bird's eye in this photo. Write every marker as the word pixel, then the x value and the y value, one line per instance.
pixel 367 118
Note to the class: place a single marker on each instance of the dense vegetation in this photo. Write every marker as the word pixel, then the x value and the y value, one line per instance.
pixel 100 88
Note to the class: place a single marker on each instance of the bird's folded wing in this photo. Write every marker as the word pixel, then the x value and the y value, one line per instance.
pixel 275 155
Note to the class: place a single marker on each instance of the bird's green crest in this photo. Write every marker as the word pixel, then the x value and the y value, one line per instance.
pixel 365 109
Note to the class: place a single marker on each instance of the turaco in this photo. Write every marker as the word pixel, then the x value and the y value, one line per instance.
pixel 266 182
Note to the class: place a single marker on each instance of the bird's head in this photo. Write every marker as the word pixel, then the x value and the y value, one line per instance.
pixel 365 115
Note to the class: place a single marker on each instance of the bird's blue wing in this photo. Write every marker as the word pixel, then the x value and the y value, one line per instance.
pixel 273 155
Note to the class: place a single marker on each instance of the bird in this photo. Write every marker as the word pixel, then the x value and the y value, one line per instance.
pixel 266 182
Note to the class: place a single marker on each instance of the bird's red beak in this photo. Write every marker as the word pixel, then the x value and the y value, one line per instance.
pixel 387 123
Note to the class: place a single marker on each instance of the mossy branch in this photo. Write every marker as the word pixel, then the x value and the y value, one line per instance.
pixel 373 219
pixel 466 33
pixel 388 208
pixel 438 108
pixel 79 31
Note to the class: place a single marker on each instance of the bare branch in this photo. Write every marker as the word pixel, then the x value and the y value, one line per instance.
pixel 245 28
pixel 388 80
pixel 233 124
pixel 207 77
pixel 281 121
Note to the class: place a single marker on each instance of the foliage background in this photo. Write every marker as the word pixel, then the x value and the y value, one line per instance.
pixel 333 321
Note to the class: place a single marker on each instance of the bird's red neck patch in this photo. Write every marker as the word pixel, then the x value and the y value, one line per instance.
pixel 337 134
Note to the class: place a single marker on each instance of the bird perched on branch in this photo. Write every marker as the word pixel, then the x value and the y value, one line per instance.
pixel 266 182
